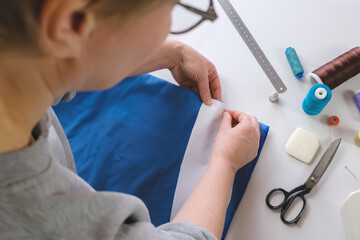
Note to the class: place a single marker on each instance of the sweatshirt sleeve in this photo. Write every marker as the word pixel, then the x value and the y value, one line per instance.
pixel 133 222
pixel 105 216
pixel 169 231
pixel 58 204
pixel 186 230
pixel 137 225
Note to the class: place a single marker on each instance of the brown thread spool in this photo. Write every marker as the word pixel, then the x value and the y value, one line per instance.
pixel 338 70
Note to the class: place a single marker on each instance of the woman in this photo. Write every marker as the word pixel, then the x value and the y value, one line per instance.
pixel 53 47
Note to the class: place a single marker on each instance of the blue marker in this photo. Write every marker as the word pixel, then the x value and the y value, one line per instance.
pixel 294 62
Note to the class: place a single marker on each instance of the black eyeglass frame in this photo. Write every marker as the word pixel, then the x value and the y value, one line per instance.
pixel 210 15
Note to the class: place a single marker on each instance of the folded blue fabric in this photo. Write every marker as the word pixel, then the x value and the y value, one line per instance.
pixel 132 139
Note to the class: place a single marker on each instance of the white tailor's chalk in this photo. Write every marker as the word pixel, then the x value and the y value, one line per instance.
pixel 302 145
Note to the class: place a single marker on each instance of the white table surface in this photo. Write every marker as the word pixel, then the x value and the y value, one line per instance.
pixel 319 30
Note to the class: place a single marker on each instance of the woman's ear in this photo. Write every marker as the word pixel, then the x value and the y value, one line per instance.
pixel 64 24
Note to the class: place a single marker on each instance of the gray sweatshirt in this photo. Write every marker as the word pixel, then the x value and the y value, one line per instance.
pixel 41 197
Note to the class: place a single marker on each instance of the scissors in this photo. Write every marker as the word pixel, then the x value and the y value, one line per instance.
pixel 299 192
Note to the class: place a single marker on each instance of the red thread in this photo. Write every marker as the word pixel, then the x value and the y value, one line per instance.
pixel 333 121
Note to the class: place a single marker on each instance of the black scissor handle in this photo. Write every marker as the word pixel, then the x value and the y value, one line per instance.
pixel 289 198
pixel 268 196
pixel 286 207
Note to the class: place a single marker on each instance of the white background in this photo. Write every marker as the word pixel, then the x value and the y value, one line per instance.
pixel 319 30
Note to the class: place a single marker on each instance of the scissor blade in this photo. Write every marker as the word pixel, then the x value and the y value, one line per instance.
pixel 323 164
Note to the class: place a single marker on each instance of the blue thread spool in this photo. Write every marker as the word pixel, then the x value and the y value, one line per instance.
pixel 294 62
pixel 317 98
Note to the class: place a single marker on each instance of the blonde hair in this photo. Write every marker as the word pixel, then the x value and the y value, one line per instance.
pixel 19 18
pixel 128 7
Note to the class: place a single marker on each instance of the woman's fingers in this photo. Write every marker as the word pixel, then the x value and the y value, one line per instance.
pixel 242 118
pixel 226 121
pixel 238 116
pixel 215 85
pixel 204 89
pixel 255 123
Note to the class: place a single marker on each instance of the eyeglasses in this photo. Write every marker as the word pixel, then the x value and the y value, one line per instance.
pixel 187 17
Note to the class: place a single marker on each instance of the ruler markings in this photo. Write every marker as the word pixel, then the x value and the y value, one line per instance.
pixel 253 46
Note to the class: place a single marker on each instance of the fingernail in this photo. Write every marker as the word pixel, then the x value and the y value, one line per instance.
pixel 209 101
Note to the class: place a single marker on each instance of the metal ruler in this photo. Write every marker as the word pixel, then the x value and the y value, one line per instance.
pixel 253 46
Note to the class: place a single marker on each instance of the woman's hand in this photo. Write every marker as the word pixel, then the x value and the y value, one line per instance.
pixel 193 71
pixel 237 142
pixel 189 68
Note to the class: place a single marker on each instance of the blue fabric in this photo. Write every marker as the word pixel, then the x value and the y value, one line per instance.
pixel 132 139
